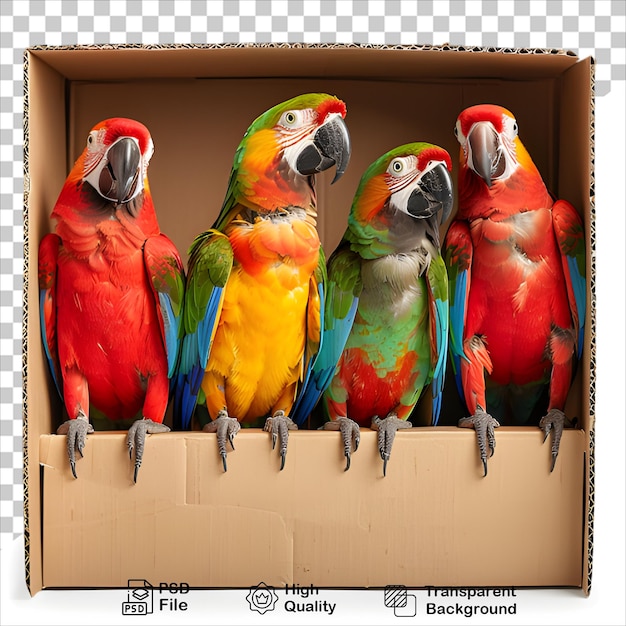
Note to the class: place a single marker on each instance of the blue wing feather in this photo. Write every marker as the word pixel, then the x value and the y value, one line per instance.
pixel 336 325
pixel 47 271
pixel 437 279
pixel 171 327
pixel 458 252
pixel 167 280
pixel 305 401
pixel 457 322
pixel 52 360
pixel 210 263
pixel 579 286
pixel 440 366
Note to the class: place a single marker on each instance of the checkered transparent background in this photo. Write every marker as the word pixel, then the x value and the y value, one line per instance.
pixel 587 27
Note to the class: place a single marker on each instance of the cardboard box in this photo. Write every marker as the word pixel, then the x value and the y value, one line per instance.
pixel 434 520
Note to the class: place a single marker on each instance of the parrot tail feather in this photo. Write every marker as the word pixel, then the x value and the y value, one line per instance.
pixel 186 388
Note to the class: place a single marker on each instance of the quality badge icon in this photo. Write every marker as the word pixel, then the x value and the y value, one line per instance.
pixel 262 598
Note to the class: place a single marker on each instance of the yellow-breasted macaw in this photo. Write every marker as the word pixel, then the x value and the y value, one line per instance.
pixel 255 285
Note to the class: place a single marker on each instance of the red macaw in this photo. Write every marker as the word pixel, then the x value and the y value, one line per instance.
pixel 255 283
pixel 516 264
pixel 111 290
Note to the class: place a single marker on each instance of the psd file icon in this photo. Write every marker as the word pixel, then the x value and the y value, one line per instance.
pixel 404 604
pixel 139 599
pixel 262 598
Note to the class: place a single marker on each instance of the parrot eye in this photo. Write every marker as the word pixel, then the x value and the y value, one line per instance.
pixel 91 138
pixel 396 167
pixel 515 129
pixel 458 133
pixel 289 119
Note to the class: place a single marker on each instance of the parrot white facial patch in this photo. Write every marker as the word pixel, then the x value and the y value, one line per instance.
pixel 96 173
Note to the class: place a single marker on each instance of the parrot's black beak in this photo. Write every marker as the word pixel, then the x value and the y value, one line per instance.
pixel 433 193
pixel 487 158
pixel 119 179
pixel 330 146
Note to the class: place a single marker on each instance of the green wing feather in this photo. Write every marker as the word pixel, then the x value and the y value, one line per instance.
pixel 437 279
pixel 342 297
pixel 210 264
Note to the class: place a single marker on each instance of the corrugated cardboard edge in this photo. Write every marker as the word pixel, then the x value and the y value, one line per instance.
pixel 364 46
pixel 24 328
pixel 590 497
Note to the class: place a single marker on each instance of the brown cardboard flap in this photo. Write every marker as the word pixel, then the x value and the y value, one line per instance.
pixel 433 520
pixel 275 60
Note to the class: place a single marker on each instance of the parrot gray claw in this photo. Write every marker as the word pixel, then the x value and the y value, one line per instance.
pixel 484 425
pixel 279 426
pixel 226 428
pixel 350 433
pixel 386 434
pixel 554 421
pixel 136 439
pixel 76 431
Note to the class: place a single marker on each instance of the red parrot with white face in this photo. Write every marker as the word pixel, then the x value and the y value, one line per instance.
pixel 111 290
pixel 516 265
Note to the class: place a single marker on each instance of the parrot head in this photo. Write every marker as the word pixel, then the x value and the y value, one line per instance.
pixel 115 160
pixel 490 146
pixel 286 146
pixel 108 183
pixel 405 192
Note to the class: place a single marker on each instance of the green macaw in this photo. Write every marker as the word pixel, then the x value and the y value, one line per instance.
pixel 386 311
